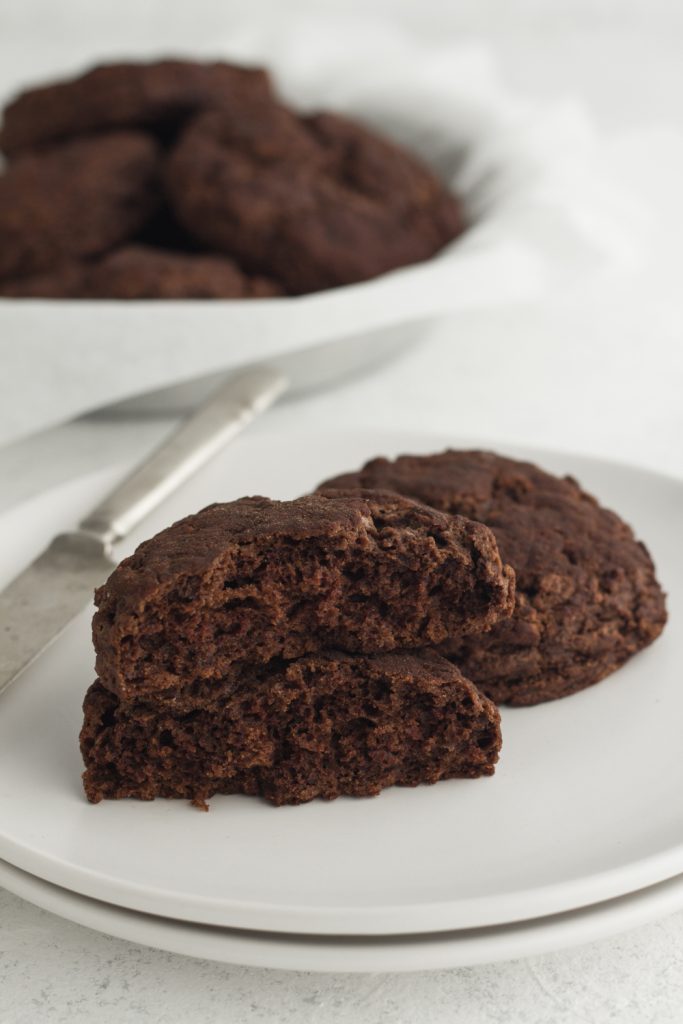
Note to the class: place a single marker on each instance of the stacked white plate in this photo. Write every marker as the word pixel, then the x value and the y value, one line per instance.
pixel 578 835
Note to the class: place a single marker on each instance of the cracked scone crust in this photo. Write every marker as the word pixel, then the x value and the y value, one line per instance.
pixel 587 598
pixel 255 579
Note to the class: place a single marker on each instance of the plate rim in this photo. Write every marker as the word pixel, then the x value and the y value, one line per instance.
pixel 357 954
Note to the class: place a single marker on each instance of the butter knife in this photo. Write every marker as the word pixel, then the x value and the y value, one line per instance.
pixel 59 584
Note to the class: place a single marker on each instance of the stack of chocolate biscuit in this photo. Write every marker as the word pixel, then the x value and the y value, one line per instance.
pixel 358 638
pixel 281 649
pixel 185 180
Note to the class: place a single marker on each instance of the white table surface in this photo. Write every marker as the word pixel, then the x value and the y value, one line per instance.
pixel 599 370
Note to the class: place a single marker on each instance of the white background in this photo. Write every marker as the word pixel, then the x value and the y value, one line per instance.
pixel 599 370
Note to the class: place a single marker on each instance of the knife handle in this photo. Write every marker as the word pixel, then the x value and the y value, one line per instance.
pixel 220 418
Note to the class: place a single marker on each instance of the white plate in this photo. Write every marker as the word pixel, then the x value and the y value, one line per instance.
pixel 584 806
pixel 361 955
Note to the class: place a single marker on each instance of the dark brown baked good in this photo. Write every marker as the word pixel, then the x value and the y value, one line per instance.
pixel 587 597
pixel 158 96
pixel 382 170
pixel 75 200
pixel 256 579
pixel 66 281
pixel 315 202
pixel 142 272
pixel 308 202
pixel 325 725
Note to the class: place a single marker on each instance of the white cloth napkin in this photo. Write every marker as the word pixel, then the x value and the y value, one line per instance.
pixel 545 207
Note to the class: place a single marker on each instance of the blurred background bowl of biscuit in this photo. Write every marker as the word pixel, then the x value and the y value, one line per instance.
pixel 163 218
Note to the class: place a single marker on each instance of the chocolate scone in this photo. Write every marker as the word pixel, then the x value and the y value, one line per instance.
pixel 158 96
pixel 67 281
pixel 143 272
pixel 587 598
pixel 256 579
pixel 324 725
pixel 75 200
pixel 315 202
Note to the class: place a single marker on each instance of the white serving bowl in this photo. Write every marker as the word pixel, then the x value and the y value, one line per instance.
pixel 539 211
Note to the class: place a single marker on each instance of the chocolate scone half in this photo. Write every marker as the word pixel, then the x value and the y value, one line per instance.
pixel 587 597
pixel 157 95
pixel 324 725
pixel 75 201
pixel 255 579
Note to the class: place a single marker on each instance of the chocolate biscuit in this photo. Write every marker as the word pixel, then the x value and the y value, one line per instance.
pixel 157 96
pixel 143 272
pixel 587 598
pixel 67 281
pixel 316 202
pixel 75 201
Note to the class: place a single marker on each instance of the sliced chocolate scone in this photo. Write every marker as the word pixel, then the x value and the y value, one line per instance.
pixel 325 725
pixel 255 579
pixel 587 597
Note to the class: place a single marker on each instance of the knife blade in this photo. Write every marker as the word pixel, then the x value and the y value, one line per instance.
pixel 41 602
